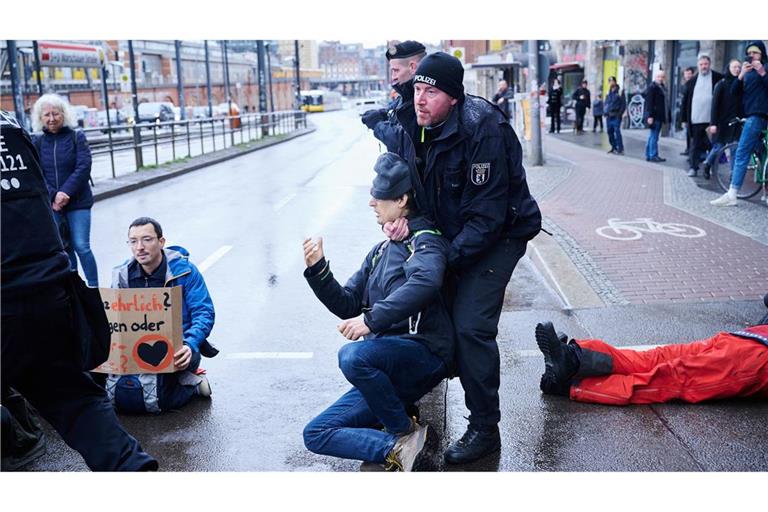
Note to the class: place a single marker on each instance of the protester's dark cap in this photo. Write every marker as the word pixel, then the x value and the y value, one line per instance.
pixel 393 178
pixel 405 49
pixel 442 71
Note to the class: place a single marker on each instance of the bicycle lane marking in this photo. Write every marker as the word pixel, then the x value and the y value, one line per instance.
pixel 654 268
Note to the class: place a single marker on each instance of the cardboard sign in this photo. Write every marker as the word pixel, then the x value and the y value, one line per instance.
pixel 146 329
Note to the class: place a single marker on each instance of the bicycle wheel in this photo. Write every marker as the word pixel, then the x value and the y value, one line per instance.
pixel 620 233
pixel 722 163
pixel 723 167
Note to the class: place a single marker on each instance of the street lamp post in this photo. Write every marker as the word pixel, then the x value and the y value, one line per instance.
pixel 208 79
pixel 536 157
pixel 180 80
pixel 37 68
pixel 298 78
pixel 269 76
pixel 139 155
pixel 18 99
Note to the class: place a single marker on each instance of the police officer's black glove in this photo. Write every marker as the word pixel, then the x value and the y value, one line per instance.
pixel 373 117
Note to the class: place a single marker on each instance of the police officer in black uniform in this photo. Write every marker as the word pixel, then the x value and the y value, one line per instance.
pixel 468 176
pixel 46 326
pixel 403 59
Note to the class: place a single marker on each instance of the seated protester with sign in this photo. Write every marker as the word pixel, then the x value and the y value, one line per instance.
pixel 726 365
pixel 154 266
pixel 408 340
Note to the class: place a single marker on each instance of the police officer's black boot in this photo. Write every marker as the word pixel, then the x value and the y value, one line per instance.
pixel 476 443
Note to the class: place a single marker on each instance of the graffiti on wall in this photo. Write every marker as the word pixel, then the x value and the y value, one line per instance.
pixel 636 65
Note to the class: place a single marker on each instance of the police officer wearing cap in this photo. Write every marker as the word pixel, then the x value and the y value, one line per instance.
pixel 403 60
pixel 408 340
pixel 50 321
pixel 466 164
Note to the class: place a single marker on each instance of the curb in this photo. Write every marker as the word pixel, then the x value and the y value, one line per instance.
pixel 141 179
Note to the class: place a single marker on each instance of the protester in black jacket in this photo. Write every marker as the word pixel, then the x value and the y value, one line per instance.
pixel 47 329
pixel 725 108
pixel 408 339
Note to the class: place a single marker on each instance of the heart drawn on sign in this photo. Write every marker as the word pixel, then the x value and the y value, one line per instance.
pixel 153 352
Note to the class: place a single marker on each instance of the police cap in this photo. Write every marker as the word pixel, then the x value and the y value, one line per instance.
pixel 405 49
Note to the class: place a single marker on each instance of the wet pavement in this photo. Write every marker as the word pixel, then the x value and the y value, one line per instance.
pixel 278 363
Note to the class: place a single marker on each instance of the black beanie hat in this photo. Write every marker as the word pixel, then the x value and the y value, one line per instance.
pixel 393 178
pixel 442 71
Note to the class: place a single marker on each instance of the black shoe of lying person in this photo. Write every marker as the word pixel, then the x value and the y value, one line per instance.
pixel 561 362
pixel 476 443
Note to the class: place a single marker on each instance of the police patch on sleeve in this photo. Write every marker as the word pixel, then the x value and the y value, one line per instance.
pixel 481 173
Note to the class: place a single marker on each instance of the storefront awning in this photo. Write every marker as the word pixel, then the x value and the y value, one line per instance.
pixel 566 66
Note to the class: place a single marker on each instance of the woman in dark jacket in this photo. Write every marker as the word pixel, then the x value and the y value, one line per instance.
pixel 555 102
pixel 725 107
pixel 66 161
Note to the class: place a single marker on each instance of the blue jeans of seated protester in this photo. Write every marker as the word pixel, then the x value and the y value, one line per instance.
pixel 385 373
pixel 750 137
pixel 652 145
pixel 79 242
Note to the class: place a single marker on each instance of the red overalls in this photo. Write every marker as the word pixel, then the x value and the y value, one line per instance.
pixel 722 366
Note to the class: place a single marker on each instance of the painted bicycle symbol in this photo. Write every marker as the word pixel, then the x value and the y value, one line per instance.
pixel 627 230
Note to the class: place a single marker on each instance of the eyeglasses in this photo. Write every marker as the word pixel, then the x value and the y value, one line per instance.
pixel 145 240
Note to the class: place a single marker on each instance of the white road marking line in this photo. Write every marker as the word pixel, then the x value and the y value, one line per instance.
pixel 537 353
pixel 270 355
pixel 213 258
pixel 284 202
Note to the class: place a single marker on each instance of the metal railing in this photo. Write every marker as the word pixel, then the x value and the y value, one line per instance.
pixel 154 144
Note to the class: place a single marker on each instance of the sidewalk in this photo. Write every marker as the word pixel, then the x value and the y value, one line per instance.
pixel 715 254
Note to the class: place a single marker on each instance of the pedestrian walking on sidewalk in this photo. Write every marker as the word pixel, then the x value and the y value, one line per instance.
pixel 615 106
pixel 752 86
pixel 66 161
pixel 597 112
pixel 554 104
pixel 656 116
pixel 725 108
pixel 583 101
pixel 698 108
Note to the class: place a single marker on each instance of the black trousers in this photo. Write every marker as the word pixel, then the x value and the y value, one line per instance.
pixel 580 113
pixel 598 120
pixel 40 359
pixel 479 297
pixel 699 144
pixel 554 125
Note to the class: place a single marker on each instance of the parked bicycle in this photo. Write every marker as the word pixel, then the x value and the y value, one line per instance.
pixel 756 178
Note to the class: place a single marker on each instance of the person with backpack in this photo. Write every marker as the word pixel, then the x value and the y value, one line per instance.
pixel 408 340
pixel 155 266
pixel 66 162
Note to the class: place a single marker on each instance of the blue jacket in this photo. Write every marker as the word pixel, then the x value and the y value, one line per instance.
pixel 615 104
pixel 753 89
pixel 398 288
pixel 66 168
pixel 473 186
pixel 197 312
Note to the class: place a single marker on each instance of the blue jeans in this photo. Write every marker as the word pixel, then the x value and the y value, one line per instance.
pixel 717 146
pixel 750 137
pixel 79 242
pixel 613 126
pixel 652 146
pixel 385 373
